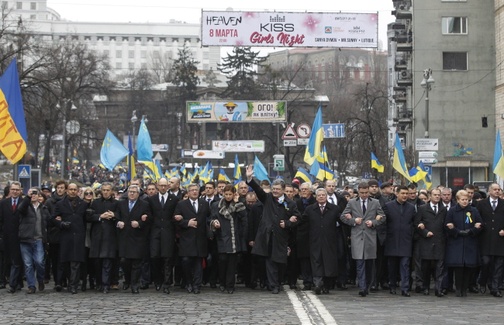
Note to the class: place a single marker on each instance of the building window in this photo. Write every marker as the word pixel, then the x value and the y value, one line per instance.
pixel 118 65
pixel 131 65
pixel 454 25
pixel 118 54
pixel 33 17
pixel 33 5
pixel 19 5
pixel 131 54
pixel 455 61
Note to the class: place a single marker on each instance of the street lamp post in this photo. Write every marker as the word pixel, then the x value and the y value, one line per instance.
pixel 427 83
pixel 66 105
pixel 134 119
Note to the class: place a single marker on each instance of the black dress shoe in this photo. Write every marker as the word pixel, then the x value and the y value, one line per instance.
pixel 325 290
pixel 196 291
pixel 11 290
pixel 385 286
pixel 213 286
pixel 362 293
pixel 497 294
pixel 32 290
pixel 426 292
pixel 135 291
pixel 405 294
pixel 58 288
pixel 275 291
pixel 444 292
pixel 2 286
pixel 106 289
pixel 41 286
pixel 318 290
pixel 418 289
pixel 373 289
pixel 166 290
pixel 126 286
pixel 307 287
pixel 144 286
pixel 473 289
pixel 482 289
pixel 189 289
pixel 292 286
pixel 439 293
pixel 458 293
pixel 158 287
pixel 73 290
pixel 392 291
pixel 230 291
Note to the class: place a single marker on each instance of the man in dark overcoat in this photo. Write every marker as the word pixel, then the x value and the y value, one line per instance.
pixel 302 235
pixel 9 226
pixel 429 224
pixel 104 234
pixel 70 216
pixel 162 235
pixel 326 240
pixel 399 242
pixel 192 216
pixel 279 215
pixel 491 210
pixel 133 217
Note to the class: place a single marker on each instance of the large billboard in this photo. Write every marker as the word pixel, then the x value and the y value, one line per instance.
pixel 236 111
pixel 289 29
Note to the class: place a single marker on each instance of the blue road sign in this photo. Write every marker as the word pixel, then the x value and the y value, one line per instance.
pixel 334 130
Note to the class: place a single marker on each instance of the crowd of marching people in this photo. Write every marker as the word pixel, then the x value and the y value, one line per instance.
pixel 260 234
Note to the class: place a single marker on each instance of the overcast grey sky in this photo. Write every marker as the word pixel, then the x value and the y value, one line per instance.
pixel 190 11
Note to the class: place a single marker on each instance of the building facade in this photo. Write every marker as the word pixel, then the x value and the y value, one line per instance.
pixel 129 46
pixel 452 43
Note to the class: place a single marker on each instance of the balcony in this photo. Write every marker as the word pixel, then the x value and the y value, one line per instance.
pixel 400 95
pixel 400 64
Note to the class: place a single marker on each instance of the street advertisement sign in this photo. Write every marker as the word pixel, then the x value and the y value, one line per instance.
pixel 236 111
pixel 289 29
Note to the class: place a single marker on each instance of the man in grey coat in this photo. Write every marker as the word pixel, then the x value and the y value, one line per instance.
pixel 363 214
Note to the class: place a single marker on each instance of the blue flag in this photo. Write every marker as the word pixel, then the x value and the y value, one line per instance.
pixel 259 170
pixel 112 151
pixel 237 170
pixel 144 144
pixel 314 146
pixel 13 133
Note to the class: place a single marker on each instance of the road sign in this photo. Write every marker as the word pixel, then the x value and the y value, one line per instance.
pixel 427 144
pixel 334 130
pixel 289 133
pixel 279 163
pixel 208 154
pixel 302 142
pixel 24 171
pixel 428 160
pixel 303 130
pixel 290 143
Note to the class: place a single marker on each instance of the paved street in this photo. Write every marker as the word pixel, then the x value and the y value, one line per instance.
pixel 245 306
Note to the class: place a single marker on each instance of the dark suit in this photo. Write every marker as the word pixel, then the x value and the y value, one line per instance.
pixel 432 249
pixel 162 237
pixel 9 225
pixel 133 242
pixel 492 244
pixel 72 238
pixel 193 246
pixel 326 243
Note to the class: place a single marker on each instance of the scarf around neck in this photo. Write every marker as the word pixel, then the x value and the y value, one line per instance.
pixel 227 210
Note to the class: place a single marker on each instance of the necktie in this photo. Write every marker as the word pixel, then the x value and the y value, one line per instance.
pixel 321 209
pixel 131 205
pixel 331 199
pixel 435 209
pixel 195 206
pixel 494 204
pixel 14 205
pixel 162 200
pixel 363 208
pixel 209 201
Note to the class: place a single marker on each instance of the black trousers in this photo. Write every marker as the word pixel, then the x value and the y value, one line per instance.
pixel 193 271
pixel 462 278
pixel 132 268
pixel 273 273
pixel 491 271
pixel 162 270
pixel 75 271
pixel 439 273
pixel 227 269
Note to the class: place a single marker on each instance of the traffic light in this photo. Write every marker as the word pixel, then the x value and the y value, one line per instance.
pixel 484 122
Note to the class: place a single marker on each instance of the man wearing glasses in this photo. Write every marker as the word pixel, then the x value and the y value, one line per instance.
pixel 133 215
